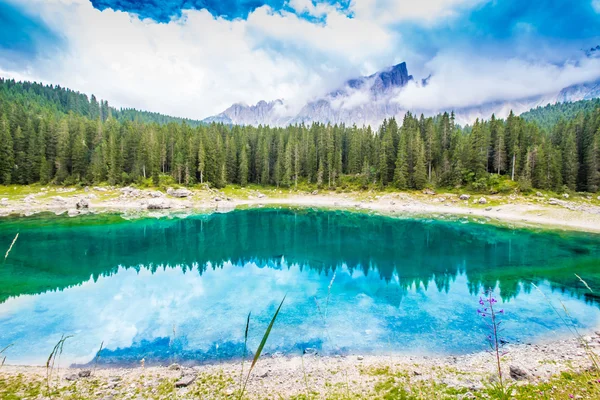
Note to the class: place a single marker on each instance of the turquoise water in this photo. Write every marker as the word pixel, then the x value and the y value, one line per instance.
pixel 180 289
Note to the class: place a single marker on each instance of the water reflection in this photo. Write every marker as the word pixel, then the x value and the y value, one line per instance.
pixel 181 289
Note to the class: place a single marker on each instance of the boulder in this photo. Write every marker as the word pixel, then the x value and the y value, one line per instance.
pixel 428 191
pixel 465 197
pixel 83 203
pixel 86 373
pixel 156 194
pixel 185 380
pixel 566 195
pixel 539 194
pixel 158 204
pixel 261 196
pixel 131 192
pixel 179 192
pixel 175 367
pixel 72 377
pixel 99 189
pixel 482 200
pixel 518 374
pixel 315 192
pixel 59 199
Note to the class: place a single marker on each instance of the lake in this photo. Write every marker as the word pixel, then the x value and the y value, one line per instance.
pixel 180 289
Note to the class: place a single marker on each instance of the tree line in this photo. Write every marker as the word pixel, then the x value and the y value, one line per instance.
pixel 40 144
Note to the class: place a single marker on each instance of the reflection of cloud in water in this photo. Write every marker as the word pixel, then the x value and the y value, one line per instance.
pixel 135 312
pixel 401 285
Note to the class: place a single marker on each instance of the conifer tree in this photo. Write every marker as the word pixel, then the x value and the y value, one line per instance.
pixel 6 152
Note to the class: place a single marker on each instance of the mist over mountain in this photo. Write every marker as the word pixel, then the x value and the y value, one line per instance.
pixel 368 100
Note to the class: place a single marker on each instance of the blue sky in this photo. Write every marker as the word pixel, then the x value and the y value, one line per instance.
pixel 195 57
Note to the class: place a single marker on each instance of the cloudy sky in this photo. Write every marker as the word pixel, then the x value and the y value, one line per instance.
pixel 194 58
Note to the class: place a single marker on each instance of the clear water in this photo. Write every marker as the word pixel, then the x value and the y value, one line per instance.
pixel 180 289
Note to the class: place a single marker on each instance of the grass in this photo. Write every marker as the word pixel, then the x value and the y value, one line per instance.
pixel 54 360
pixel 261 346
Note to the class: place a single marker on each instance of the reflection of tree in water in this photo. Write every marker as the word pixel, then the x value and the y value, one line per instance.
pixel 55 253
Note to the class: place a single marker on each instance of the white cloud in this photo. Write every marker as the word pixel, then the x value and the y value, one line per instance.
pixel 461 80
pixel 398 10
pixel 198 65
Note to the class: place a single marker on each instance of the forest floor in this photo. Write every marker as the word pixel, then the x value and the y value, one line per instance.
pixel 575 212
pixel 554 370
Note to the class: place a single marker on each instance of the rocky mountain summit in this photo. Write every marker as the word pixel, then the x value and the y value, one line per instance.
pixel 368 100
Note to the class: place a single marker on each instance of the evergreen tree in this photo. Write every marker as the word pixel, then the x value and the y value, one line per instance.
pixel 6 152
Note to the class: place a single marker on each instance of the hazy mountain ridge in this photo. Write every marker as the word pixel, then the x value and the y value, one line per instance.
pixel 368 100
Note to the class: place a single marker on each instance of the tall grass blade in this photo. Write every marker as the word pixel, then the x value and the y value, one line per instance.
pixel 261 346
pixel 56 353
pixel 585 283
pixel 11 246
pixel 98 356
pixel 2 351
pixel 265 337
pixel 245 353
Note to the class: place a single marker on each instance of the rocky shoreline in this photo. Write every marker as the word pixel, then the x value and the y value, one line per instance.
pixel 277 376
pixel 582 214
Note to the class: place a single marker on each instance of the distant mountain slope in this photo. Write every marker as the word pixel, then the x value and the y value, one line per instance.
pixel 368 100
pixel 61 100
pixel 263 113
pixel 546 117
pixel 363 101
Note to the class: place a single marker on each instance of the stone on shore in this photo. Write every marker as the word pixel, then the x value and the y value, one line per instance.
pixel 185 380
pixel 179 192
pixel 482 200
pixel 518 374
pixel 86 373
pixel 83 203
pixel 465 197
pixel 158 204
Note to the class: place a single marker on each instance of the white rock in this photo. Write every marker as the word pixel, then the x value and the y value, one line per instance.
pixel 179 192
pixel 158 204
pixel 566 195
pixel 465 197
pixel 83 203
pixel 59 199
pixel 482 200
